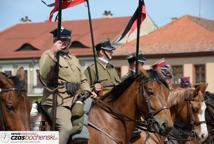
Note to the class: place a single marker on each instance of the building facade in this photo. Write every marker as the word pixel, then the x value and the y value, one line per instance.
pixel 23 44
pixel 186 43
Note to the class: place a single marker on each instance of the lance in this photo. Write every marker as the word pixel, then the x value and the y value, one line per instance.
pixel 54 111
pixel 138 31
pixel 92 41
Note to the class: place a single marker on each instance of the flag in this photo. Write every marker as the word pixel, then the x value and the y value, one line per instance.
pixel 65 4
pixel 132 25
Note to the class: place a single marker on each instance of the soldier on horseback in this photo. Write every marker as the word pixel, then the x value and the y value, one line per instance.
pixel 108 75
pixel 132 64
pixel 71 79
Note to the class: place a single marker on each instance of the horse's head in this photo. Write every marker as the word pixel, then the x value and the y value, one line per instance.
pixel 198 108
pixel 14 106
pixel 152 100
pixel 185 106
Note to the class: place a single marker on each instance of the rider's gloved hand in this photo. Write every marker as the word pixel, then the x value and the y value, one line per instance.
pixel 72 88
pixel 98 87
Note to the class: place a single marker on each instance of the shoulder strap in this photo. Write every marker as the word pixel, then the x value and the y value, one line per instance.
pixel 89 73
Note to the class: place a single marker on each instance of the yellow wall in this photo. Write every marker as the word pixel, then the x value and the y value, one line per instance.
pixel 188 71
pixel 210 76
pixel 188 67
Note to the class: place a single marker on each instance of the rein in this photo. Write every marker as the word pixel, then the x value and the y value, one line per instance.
pixel 52 90
pixel 147 124
pixel 2 90
pixel 191 122
pixel 152 123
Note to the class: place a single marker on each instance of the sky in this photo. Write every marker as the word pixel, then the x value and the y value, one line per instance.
pixel 161 11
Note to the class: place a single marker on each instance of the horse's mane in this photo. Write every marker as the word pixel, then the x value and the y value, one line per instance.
pixel 156 76
pixel 14 81
pixel 209 95
pixel 117 91
pixel 19 84
pixel 179 95
pixel 209 99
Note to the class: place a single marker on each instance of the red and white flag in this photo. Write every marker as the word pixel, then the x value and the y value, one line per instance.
pixel 65 4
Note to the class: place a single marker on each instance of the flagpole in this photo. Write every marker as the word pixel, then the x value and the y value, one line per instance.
pixel 92 41
pixel 53 126
pixel 138 32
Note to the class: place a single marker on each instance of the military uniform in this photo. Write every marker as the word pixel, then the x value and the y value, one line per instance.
pixel 107 73
pixel 131 59
pixel 70 71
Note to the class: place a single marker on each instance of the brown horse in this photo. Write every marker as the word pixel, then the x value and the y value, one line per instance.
pixel 185 105
pixel 209 116
pixel 114 117
pixel 14 105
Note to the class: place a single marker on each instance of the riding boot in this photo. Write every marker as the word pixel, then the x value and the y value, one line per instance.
pixel 83 135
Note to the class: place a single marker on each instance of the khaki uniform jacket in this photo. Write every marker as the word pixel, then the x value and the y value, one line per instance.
pixel 129 74
pixel 69 71
pixel 108 75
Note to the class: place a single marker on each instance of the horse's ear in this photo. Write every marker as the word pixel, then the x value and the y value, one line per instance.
pixel 21 74
pixel 201 88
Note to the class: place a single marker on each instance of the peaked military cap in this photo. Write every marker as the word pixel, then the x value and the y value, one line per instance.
pixel 132 57
pixel 106 45
pixel 64 33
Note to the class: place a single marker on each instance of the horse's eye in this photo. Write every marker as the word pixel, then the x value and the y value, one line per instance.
pixel 195 110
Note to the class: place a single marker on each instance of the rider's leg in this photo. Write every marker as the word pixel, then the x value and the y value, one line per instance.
pixel 84 134
pixel 63 123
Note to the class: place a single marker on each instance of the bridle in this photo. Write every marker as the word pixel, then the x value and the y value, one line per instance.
pixel 191 111
pixel 150 123
pixel 191 124
pixel 2 118
pixel 150 119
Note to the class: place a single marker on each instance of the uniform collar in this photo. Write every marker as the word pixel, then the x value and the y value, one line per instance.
pixel 104 63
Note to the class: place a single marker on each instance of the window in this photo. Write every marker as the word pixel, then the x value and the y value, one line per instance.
pixel 177 73
pixel 199 73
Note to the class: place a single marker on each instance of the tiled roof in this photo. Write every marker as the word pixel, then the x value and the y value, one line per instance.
pixel 37 35
pixel 187 34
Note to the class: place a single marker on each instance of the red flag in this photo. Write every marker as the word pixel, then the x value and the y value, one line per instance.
pixel 132 25
pixel 65 4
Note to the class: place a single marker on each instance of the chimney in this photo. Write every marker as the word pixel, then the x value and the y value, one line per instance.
pixel 107 14
pixel 174 18
pixel 25 19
